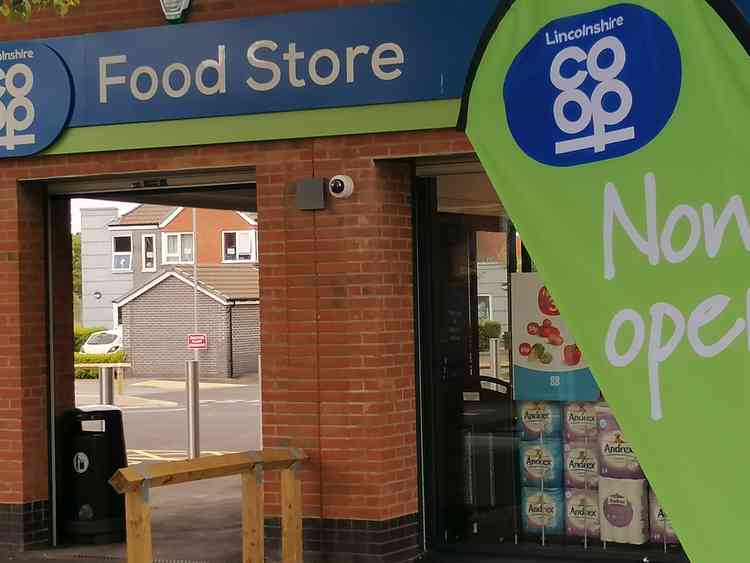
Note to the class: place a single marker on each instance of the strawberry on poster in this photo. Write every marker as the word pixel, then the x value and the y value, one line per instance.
pixel 547 363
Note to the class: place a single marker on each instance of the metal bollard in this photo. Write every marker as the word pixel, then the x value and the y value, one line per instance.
pixel 106 389
pixel 193 408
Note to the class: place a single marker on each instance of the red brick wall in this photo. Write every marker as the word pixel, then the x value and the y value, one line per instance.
pixel 337 321
pixel 109 15
pixel 338 342
pixel 211 223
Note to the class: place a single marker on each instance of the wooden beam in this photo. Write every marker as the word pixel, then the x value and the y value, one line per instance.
pixel 138 527
pixel 159 474
pixel 291 515
pixel 252 516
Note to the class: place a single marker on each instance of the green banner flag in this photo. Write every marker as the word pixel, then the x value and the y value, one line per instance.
pixel 615 135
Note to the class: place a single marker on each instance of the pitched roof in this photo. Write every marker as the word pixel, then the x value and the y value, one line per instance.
pixel 224 283
pixel 144 214
pixel 231 282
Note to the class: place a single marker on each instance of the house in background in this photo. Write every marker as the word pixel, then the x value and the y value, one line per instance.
pixel 155 326
pixel 140 264
pixel 119 254
pixel 100 284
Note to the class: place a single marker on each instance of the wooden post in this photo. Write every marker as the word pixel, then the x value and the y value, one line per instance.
pixel 291 515
pixel 136 482
pixel 252 516
pixel 138 524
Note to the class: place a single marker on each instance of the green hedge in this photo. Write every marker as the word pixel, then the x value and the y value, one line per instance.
pixel 81 335
pixel 488 329
pixel 93 373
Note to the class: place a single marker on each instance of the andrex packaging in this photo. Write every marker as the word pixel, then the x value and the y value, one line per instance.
pixel 582 513
pixel 581 466
pixel 579 422
pixel 541 461
pixel 542 510
pixel 661 527
pixel 623 510
pixel 616 456
pixel 539 418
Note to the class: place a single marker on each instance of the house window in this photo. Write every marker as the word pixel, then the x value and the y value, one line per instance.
pixel 484 303
pixel 149 253
pixel 122 253
pixel 177 248
pixel 240 246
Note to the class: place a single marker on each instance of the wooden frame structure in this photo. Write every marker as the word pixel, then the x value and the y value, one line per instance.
pixel 136 481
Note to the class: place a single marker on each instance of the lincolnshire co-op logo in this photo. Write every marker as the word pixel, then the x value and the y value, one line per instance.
pixel 35 98
pixel 593 86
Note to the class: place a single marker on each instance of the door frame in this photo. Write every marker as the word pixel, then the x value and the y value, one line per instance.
pixel 424 208
pixel 426 221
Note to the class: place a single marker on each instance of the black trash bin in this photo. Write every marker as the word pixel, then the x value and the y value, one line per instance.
pixel 94 450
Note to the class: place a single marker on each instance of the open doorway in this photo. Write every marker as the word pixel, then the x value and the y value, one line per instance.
pixel 157 260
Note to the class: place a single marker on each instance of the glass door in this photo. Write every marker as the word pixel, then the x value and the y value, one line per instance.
pixel 514 462
pixel 472 426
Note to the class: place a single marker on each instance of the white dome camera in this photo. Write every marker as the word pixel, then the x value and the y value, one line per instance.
pixel 341 186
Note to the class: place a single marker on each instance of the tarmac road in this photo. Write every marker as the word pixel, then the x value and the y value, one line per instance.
pixel 155 416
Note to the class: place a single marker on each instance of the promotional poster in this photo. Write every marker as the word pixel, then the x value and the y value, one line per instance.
pixel 621 127
pixel 547 363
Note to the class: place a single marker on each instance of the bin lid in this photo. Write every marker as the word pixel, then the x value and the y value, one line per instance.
pixel 99 408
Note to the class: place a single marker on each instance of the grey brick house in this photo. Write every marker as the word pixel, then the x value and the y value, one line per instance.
pixel 122 253
pixel 158 316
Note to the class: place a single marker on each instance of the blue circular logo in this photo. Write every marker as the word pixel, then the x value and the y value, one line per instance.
pixel 593 86
pixel 35 98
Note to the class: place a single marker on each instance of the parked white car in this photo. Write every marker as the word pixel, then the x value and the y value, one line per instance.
pixel 104 342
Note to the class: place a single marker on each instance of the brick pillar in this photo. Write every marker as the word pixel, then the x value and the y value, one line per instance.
pixel 338 347
pixel 23 368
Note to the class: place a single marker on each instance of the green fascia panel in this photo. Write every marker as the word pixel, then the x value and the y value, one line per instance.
pixel 265 127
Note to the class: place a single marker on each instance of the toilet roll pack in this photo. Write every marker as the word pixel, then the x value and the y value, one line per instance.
pixel 582 513
pixel 579 422
pixel 542 511
pixel 541 461
pixel 539 419
pixel 623 506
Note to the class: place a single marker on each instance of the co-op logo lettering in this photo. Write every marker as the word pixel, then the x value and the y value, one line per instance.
pixel 18 82
pixel 35 98
pixel 591 111
pixel 593 86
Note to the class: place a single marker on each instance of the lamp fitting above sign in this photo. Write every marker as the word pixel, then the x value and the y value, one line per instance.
pixel 175 10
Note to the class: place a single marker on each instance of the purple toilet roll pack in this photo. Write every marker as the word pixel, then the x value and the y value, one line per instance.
pixel 661 527
pixel 582 513
pixel 579 422
pixel 581 466
pixel 616 456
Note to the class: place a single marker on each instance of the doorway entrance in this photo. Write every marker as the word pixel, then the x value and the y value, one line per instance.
pixel 180 259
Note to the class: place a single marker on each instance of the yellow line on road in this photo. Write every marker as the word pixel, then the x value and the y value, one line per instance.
pixel 139 456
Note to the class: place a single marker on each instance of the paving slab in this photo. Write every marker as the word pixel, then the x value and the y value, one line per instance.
pixel 191 524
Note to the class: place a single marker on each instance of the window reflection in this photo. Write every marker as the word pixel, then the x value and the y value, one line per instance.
pixel 521 465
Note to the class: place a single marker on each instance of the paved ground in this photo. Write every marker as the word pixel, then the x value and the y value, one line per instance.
pixel 194 522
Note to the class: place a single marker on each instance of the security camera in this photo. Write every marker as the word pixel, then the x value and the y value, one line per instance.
pixel 341 186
